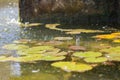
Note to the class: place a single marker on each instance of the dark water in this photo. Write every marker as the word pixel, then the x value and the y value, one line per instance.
pixel 10 31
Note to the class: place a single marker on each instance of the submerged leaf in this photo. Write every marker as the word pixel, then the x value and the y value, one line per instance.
pixel 95 60
pixel 72 66
pixel 87 54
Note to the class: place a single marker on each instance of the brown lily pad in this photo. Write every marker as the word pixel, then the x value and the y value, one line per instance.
pixel 77 48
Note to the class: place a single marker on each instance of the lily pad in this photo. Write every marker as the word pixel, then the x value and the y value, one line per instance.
pixel 15 47
pixel 63 38
pixel 30 24
pixel 37 50
pixel 53 43
pixel 113 57
pixel 72 66
pixel 106 36
pixel 77 48
pixel 87 54
pixel 111 50
pixel 25 41
pixel 116 33
pixel 55 53
pixel 116 41
pixel 52 26
pixel 78 31
pixel 95 60
pixel 52 58
pixel 21 41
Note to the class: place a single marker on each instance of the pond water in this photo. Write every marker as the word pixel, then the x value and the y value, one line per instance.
pixel 10 31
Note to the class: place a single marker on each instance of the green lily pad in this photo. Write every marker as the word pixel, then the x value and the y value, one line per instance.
pixel 41 48
pixel 112 50
pixel 29 58
pixel 72 66
pixel 55 53
pixel 63 38
pixel 113 56
pixel 95 60
pixel 52 58
pixel 87 54
pixel 36 50
pixel 15 47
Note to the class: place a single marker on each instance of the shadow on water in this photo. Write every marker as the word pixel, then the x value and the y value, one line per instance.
pixel 10 31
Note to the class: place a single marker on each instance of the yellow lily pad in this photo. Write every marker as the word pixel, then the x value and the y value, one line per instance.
pixel 30 24
pixel 116 33
pixel 78 31
pixel 52 26
pixel 116 41
pixel 72 66
pixel 107 36
pixel 63 38
pixel 95 60
pixel 87 54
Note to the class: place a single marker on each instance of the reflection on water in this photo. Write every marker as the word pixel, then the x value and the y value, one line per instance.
pixel 10 31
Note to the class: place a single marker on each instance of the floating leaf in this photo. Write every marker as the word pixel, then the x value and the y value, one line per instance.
pixel 95 60
pixel 72 66
pixel 52 26
pixel 77 48
pixel 116 40
pixel 29 58
pixel 78 31
pixel 72 32
pixel 41 48
pixel 113 57
pixel 63 38
pixel 112 50
pixel 107 36
pixel 15 47
pixel 116 33
pixel 87 54
pixel 53 43
pixel 52 58
pixel 30 24
pixel 21 41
